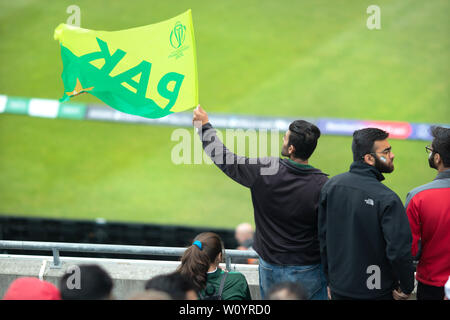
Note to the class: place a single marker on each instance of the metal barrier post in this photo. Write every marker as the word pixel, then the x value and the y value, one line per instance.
pixel 56 261
pixel 228 262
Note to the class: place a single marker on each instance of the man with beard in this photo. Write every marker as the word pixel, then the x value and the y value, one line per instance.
pixel 428 210
pixel 365 240
pixel 285 204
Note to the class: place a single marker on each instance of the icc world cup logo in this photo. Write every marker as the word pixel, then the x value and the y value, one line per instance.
pixel 177 35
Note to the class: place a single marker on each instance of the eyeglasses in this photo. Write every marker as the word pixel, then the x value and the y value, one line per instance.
pixel 428 149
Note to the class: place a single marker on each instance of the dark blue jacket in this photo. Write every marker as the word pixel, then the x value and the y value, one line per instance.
pixel 363 226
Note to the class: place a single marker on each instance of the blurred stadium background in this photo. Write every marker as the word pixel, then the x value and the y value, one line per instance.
pixel 300 59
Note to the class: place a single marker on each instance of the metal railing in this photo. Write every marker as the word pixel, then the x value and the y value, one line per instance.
pixel 57 247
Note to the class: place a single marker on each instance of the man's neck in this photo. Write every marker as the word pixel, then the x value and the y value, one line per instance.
pixel 298 160
pixel 442 169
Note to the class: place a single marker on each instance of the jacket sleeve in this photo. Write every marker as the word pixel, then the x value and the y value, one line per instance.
pixel 322 229
pixel 397 234
pixel 412 211
pixel 241 169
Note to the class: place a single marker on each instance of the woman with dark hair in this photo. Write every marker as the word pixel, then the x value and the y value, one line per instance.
pixel 200 262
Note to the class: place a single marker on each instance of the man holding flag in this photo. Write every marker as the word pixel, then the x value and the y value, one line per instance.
pixel 285 204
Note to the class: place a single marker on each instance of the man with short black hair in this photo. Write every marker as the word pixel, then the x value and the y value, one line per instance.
pixel 285 204
pixel 428 210
pixel 365 240
pixel 94 284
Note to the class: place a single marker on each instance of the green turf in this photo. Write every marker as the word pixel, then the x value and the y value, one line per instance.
pixel 296 58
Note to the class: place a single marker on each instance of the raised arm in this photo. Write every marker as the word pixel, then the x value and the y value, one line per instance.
pixel 239 168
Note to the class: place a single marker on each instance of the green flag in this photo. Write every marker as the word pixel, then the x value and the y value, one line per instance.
pixel 149 71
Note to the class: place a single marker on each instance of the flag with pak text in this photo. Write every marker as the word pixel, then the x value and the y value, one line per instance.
pixel 149 71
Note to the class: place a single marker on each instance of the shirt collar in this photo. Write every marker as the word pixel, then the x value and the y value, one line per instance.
pixel 365 169
pixel 300 165
pixel 210 272
pixel 443 175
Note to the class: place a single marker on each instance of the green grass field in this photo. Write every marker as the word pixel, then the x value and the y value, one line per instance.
pixel 298 59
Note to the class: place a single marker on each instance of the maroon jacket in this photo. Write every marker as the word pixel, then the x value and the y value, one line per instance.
pixel 428 210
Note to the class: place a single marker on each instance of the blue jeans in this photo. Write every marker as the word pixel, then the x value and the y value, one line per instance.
pixel 311 277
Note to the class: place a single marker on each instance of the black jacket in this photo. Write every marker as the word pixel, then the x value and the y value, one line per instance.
pixel 362 226
pixel 285 200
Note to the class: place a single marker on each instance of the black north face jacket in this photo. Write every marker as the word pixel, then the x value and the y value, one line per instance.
pixel 285 199
pixel 364 231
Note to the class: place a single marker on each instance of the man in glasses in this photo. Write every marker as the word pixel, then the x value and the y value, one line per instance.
pixel 364 234
pixel 428 210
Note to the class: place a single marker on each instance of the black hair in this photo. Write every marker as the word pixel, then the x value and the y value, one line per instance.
pixel 95 284
pixel 441 143
pixel 175 284
pixel 294 291
pixel 303 137
pixel 363 141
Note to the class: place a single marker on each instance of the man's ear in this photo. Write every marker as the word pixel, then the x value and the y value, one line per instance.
pixel 437 159
pixel 369 159
pixel 291 149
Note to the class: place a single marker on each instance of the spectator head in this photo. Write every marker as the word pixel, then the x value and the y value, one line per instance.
pixel 206 251
pixel 176 285
pixel 151 295
pixel 286 291
pixel 93 283
pixel 300 140
pixel 370 145
pixel 439 157
pixel 28 288
pixel 244 234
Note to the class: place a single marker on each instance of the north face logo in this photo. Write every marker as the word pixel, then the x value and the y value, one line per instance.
pixel 369 201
